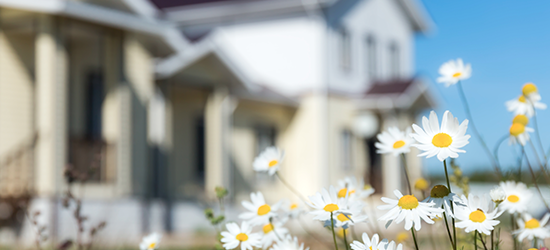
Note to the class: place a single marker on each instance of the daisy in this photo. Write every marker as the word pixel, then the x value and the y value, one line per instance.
pixel 355 214
pixel 259 211
pixel 519 134
pixel 150 241
pixel 477 214
pixel 497 195
pixel 235 236
pixel 289 243
pixel 394 141
pixel 408 208
pixel 521 119
pixel 393 246
pixel 531 91
pixel 349 186
pixel 269 160
pixel 421 184
pixel 271 233
pixel 518 197
pixel 369 243
pixel 531 228
pixel 290 209
pixel 524 106
pixel 453 71
pixel 442 197
pixel 327 203
pixel 445 141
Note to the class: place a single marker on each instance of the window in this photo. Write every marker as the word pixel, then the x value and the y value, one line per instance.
pixel 265 137
pixel 344 45
pixel 394 60
pixel 346 149
pixel 370 61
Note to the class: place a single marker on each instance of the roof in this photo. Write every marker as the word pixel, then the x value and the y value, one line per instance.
pixel 397 94
pixel 396 86
pixel 162 4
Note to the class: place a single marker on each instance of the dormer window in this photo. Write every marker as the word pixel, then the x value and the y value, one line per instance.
pixel 370 57
pixel 394 60
pixel 344 48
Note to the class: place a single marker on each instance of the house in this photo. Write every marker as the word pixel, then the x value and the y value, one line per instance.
pixel 318 79
pixel 155 103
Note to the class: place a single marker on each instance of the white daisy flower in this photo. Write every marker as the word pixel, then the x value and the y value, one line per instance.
pixel 369 244
pixel 394 141
pixel 477 214
pixel 289 243
pixel 354 189
pixel 236 235
pixel 355 213
pixel 272 232
pixel 326 203
pixel 518 197
pixel 531 91
pixel 150 241
pixel 531 228
pixel 524 106
pixel 394 246
pixel 442 197
pixel 269 160
pixel 519 133
pixel 408 208
pixel 497 195
pixel 259 211
pixel 290 209
pixel 453 71
pixel 445 141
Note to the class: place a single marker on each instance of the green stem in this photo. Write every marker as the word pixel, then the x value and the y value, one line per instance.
pixel 414 238
pixel 333 233
pixel 345 239
pixel 452 207
pixel 535 179
pixel 475 239
pixel 482 241
pixel 472 125
pixel 542 169
pixel 448 230
pixel 406 172
pixel 492 239
pixel 538 135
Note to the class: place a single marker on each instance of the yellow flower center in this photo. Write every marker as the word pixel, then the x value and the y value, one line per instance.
pixel 402 237
pixel 421 184
pixel 273 163
pixel 517 129
pixel 529 88
pixel 399 144
pixel 532 249
pixel 521 119
pixel 408 202
pixel 532 224
pixel 477 216
pixel 241 237
pixel 152 245
pixel 267 228
pixel 439 191
pixel 264 209
pixel 293 206
pixel 342 217
pixel 342 193
pixel 521 99
pixel 367 187
pixel 331 207
pixel 457 74
pixel 513 198
pixel 442 140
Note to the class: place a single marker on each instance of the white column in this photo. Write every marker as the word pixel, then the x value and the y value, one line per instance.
pixel 391 165
pixel 51 104
pixel 217 121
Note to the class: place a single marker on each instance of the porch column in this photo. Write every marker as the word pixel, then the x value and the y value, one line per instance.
pixel 217 121
pixel 51 104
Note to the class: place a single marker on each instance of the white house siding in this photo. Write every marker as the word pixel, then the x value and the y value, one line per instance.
pixel 386 22
pixel 286 54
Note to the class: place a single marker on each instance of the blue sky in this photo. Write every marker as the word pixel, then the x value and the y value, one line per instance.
pixel 508 44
